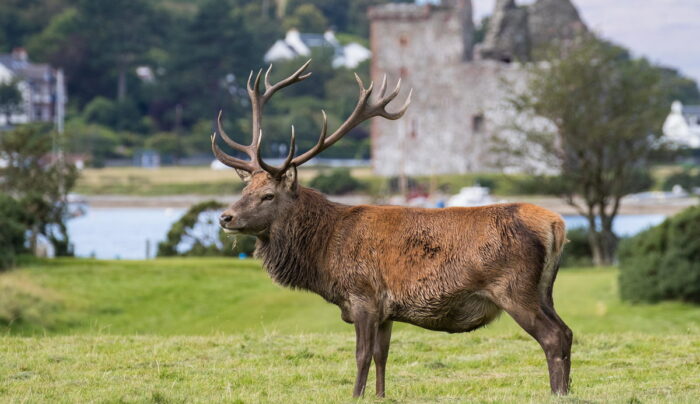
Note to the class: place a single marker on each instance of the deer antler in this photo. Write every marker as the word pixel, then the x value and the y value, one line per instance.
pixel 365 109
pixel 257 101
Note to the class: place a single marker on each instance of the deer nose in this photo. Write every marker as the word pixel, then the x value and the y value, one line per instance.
pixel 225 219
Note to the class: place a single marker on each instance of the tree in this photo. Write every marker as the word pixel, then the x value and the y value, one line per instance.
pixel 603 112
pixel 99 43
pixel 306 18
pixel 10 99
pixel 19 19
pixel 39 185
pixel 11 230
pixel 211 58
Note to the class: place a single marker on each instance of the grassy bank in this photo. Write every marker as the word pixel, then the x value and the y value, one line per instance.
pixel 205 181
pixel 171 180
pixel 206 296
pixel 211 330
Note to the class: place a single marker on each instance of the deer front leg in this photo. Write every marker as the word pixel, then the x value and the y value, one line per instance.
pixel 381 353
pixel 366 326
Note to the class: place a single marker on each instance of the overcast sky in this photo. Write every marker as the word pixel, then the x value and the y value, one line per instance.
pixel 665 31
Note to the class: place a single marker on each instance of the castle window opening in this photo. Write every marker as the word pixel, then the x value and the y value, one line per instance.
pixel 477 123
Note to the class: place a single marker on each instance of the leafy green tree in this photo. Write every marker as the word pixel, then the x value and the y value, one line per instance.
pixel 678 87
pixel 95 141
pixel 211 58
pixel 167 144
pixel 10 99
pixel 197 233
pixel 38 185
pixel 99 43
pixel 11 230
pixel 306 18
pixel 20 19
pixel 604 112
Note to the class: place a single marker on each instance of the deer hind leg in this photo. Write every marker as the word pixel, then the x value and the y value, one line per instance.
pixel 555 338
pixel 381 353
pixel 366 329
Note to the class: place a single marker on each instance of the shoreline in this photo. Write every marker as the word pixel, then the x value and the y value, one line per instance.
pixel 630 206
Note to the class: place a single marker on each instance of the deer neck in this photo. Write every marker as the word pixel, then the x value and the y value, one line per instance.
pixel 294 250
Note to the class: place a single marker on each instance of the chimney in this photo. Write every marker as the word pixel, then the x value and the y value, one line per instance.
pixel 20 54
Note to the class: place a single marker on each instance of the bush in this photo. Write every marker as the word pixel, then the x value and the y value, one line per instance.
pixel 536 185
pixel 337 182
pixel 197 233
pixel 24 303
pixel 663 263
pixel 687 179
pixel 11 231
pixel 577 252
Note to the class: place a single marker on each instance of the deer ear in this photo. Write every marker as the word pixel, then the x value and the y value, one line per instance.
pixel 290 178
pixel 245 175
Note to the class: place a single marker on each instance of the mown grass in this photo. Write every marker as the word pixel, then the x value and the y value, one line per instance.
pixel 212 330
pixel 205 181
pixel 319 368
pixel 171 180
pixel 203 296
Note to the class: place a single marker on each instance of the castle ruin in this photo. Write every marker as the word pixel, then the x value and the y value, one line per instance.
pixel 460 87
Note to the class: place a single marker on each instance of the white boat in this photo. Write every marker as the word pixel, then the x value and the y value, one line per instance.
pixel 471 196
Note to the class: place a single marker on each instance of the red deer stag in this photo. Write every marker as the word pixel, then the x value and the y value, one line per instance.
pixel 448 270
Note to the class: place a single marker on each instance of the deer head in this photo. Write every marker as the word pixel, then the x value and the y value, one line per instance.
pixel 270 190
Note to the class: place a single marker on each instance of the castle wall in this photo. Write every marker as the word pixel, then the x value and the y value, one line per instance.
pixel 457 107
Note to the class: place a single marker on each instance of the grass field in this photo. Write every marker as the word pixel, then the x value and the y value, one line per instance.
pixel 171 180
pixel 211 330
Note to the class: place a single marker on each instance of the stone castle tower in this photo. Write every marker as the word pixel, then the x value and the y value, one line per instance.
pixel 460 88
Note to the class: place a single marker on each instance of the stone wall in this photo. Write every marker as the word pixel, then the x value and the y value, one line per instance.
pixel 459 108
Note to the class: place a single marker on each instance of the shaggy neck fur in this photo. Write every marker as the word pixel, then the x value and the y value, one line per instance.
pixel 294 251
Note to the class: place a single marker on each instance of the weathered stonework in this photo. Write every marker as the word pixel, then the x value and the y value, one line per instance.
pixel 459 106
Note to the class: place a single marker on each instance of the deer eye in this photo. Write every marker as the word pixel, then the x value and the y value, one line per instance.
pixel 268 197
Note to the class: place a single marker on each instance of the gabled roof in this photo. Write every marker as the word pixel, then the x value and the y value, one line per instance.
pixel 26 69
pixel 691 110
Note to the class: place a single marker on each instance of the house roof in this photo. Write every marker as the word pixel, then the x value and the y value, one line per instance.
pixel 300 44
pixel 26 69
pixel 691 110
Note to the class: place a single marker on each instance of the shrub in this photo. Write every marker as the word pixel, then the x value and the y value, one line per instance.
pixel 24 303
pixel 337 182
pixel 11 231
pixel 577 252
pixel 687 179
pixel 663 263
pixel 536 185
pixel 197 233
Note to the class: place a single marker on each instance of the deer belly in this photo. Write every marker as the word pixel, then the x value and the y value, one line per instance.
pixel 457 313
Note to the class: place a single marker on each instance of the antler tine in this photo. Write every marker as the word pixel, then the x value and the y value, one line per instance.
pixel 319 146
pixel 385 100
pixel 256 85
pixel 227 139
pixel 267 78
pixel 382 88
pixel 229 160
pixel 296 77
pixel 365 109
pixel 277 172
pixel 250 76
pixel 398 114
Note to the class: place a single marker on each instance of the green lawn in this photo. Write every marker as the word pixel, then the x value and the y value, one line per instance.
pixel 210 330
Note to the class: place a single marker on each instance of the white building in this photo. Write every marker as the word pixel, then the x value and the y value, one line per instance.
pixel 296 44
pixel 41 87
pixel 682 126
